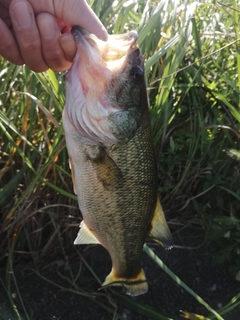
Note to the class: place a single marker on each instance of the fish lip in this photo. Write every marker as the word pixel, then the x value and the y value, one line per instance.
pixel 79 34
pixel 76 29
pixel 134 35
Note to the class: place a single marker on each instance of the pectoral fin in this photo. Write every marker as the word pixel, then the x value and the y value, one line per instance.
pixel 160 231
pixel 85 236
pixel 107 171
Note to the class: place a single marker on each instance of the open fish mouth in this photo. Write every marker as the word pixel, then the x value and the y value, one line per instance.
pixel 114 51
pixel 104 59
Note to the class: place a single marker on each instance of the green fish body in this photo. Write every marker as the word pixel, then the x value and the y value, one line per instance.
pixel 110 146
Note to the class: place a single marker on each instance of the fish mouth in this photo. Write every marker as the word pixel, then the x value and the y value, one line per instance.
pixel 127 39
pixel 114 52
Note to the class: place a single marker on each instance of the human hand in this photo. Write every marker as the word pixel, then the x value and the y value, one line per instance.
pixel 37 33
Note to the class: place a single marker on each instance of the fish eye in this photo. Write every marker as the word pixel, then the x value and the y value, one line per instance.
pixel 136 73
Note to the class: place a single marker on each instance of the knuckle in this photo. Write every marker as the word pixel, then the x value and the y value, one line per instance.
pixel 30 45
pixel 52 55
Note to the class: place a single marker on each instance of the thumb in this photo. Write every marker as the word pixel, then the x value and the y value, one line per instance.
pixel 78 12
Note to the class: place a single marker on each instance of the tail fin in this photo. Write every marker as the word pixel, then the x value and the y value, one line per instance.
pixel 134 286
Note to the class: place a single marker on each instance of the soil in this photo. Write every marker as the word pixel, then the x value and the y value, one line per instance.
pixel 36 290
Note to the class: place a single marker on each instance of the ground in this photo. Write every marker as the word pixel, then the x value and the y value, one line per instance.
pixel 45 301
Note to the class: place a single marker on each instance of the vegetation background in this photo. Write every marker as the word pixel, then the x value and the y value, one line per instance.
pixel 192 53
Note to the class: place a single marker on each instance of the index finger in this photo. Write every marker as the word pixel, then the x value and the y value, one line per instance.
pixel 86 18
pixel 72 13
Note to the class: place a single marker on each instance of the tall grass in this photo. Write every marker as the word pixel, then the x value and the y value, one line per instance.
pixel 193 73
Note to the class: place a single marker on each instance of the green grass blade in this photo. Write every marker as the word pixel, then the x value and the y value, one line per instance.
pixel 159 262
pixel 231 305
pixel 141 308
pixel 161 52
pixel 236 19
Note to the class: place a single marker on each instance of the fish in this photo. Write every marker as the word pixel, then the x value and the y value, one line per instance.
pixel 111 152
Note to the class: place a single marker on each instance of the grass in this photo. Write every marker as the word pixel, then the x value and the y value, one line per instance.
pixel 193 73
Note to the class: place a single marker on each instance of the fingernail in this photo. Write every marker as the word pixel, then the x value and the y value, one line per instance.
pixel 47 26
pixel 22 15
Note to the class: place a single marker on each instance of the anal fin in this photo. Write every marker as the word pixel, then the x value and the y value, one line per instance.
pixel 85 236
pixel 160 231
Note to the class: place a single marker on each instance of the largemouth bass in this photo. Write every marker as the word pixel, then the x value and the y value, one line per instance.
pixel 111 152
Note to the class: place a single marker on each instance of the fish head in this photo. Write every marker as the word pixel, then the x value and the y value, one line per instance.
pixel 104 88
